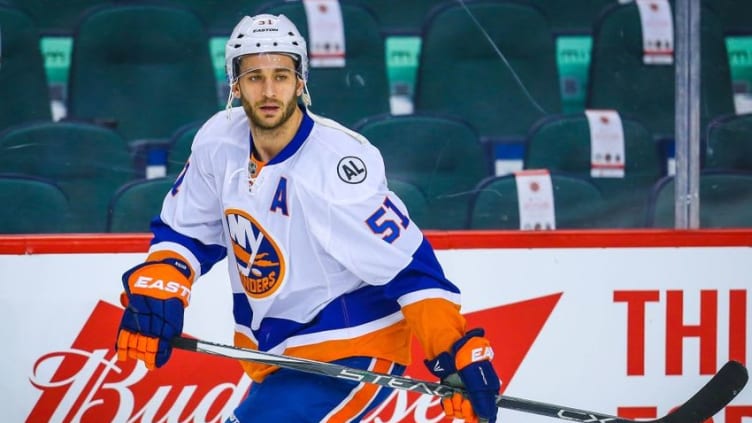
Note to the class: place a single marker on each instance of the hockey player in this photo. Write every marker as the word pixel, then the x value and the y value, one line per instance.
pixel 324 261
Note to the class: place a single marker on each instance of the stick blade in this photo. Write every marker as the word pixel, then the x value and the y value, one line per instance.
pixel 716 394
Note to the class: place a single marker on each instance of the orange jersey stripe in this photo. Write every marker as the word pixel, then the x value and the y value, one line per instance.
pixel 362 396
pixel 254 370
pixel 391 343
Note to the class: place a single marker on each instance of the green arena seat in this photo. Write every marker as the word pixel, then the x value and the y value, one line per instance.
pixel 126 73
pixel 561 143
pixel 569 17
pixel 135 204
pixel 620 80
pixel 23 82
pixel 31 205
pixel 88 162
pixel 221 16
pixel 578 203
pixel 572 23
pixel 442 156
pixel 729 143
pixel 405 18
pixel 736 15
pixel 725 201
pixel 461 72
pixel 57 17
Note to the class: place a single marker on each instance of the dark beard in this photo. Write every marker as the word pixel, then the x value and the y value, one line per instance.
pixel 258 123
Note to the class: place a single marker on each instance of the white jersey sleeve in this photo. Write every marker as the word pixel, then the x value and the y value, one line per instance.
pixel 190 222
pixel 366 227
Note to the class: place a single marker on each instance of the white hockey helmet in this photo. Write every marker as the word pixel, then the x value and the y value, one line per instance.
pixel 265 34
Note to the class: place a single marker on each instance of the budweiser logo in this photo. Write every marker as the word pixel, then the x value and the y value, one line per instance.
pixel 85 383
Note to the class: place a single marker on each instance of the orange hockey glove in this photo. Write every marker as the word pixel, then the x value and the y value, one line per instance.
pixel 157 293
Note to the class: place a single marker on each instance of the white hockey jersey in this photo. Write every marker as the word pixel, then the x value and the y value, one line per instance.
pixel 322 256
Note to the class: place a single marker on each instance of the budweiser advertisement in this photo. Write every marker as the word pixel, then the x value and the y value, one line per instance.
pixel 623 324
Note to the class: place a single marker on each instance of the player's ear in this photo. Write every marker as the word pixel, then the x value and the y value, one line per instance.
pixel 235 88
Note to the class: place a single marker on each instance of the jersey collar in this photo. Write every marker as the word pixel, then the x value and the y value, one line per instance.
pixel 304 130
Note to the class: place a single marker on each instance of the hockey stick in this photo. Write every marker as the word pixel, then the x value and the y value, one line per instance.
pixel 708 401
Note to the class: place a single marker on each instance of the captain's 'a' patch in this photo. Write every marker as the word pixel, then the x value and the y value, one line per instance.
pixel 352 170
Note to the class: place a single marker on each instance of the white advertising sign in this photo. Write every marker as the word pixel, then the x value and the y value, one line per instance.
pixel 326 33
pixel 607 158
pixel 535 199
pixel 657 24
pixel 627 331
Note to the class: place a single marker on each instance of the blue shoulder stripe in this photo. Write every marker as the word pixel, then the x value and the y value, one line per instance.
pixel 207 255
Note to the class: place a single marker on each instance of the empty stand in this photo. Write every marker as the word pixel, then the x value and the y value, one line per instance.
pixel 568 17
pixel 221 16
pixel 495 205
pixel 562 143
pixel 442 156
pixel 31 205
pixel 725 201
pixel 57 21
pixel 146 70
pixel 23 83
pixel 402 24
pixel 57 17
pixel 462 73
pixel 729 143
pixel 572 24
pixel 88 162
pixel 143 69
pixel 405 18
pixel 620 80
pixel 134 205
pixel 360 88
pixel 735 15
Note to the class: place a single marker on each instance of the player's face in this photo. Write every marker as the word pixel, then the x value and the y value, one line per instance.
pixel 268 88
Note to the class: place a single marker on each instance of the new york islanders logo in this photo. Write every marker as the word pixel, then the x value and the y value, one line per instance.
pixel 260 261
